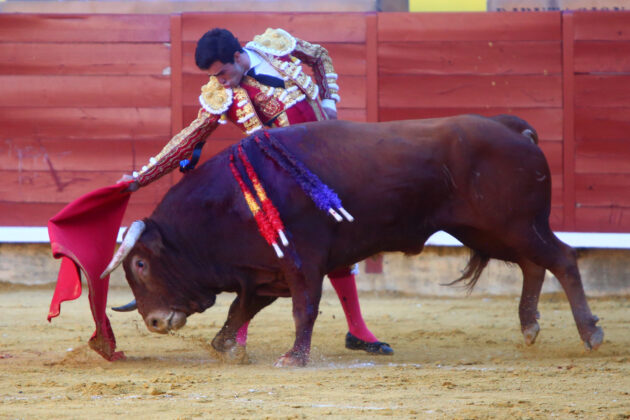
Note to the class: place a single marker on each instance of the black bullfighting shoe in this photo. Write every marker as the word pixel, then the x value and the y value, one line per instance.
pixel 378 347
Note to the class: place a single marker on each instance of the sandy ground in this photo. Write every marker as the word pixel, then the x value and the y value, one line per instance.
pixel 455 358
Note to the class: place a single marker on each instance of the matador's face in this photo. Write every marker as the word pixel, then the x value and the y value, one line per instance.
pixel 230 74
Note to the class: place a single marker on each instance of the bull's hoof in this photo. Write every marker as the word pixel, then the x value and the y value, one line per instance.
pixel 378 347
pixel 595 340
pixel 235 355
pixel 530 333
pixel 292 359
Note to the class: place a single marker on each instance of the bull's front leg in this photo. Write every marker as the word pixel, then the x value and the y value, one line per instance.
pixel 305 295
pixel 241 311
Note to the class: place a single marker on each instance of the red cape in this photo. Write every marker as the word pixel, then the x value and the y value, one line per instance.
pixel 84 235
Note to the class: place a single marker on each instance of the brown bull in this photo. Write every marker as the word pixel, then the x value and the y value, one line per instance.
pixel 482 180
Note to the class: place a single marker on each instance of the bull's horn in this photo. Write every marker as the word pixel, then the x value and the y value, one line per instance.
pixel 133 233
pixel 131 306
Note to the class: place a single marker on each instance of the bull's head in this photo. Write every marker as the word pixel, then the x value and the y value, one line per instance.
pixel 164 295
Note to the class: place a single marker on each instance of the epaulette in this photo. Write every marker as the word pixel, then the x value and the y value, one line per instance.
pixel 276 42
pixel 215 98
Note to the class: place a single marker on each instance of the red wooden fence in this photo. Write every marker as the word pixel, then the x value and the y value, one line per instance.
pixel 85 98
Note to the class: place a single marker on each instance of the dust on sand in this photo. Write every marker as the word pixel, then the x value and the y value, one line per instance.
pixel 455 358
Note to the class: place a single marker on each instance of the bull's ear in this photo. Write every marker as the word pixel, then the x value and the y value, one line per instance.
pixel 152 240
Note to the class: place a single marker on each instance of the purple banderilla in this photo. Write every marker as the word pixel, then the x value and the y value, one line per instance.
pixel 322 195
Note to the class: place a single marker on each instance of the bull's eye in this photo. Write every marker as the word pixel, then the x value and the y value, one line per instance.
pixel 140 264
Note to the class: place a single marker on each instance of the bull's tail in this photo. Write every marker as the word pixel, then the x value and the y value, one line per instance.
pixel 473 270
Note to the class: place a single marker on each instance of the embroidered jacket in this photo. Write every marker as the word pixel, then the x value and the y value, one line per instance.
pixel 252 104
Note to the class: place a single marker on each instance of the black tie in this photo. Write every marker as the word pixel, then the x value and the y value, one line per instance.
pixel 266 79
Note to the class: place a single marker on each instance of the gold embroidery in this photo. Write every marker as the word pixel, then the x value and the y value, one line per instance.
pixel 215 98
pixel 273 41
pixel 269 105
pixel 293 72
pixel 281 120
pixel 317 109
pixel 246 114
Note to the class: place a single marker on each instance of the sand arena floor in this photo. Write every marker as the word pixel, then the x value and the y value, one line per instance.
pixel 455 359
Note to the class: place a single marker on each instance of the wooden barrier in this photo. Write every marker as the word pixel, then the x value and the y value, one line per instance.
pixel 438 64
pixel 85 98
pixel 601 158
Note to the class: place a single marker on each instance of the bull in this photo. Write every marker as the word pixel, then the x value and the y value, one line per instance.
pixel 482 180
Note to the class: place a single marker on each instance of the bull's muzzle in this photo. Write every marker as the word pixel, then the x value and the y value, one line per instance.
pixel 162 322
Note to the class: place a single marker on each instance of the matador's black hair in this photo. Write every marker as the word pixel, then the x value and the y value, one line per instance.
pixel 216 44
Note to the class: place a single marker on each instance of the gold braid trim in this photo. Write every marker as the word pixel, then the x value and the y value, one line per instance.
pixel 179 147
pixel 245 112
pixel 319 60
pixel 292 73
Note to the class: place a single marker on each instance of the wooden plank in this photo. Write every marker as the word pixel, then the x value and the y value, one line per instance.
pixel 84 123
pixel 371 57
pixel 352 92
pixel 546 121
pixel 78 155
pixel 84 28
pixel 553 153
pixel 348 59
pixel 602 123
pixel 137 211
pixel 88 91
pixel 602 189
pixel 176 74
pixel 38 214
pixel 27 214
pixel 473 57
pixel 602 57
pixel 65 186
pixel 83 59
pixel 354 114
pixel 602 90
pixel 470 91
pixel 603 219
pixel 312 27
pixel 600 25
pixel 568 99
pixel 602 157
pixel 405 27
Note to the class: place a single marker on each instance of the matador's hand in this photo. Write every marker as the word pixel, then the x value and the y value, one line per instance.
pixel 331 113
pixel 133 186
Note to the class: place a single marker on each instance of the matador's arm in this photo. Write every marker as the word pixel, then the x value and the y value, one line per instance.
pixel 180 147
pixel 319 60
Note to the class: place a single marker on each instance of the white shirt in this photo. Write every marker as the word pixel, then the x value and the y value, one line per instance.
pixel 261 66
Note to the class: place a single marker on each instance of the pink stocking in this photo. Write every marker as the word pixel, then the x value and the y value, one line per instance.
pixel 346 289
pixel 241 335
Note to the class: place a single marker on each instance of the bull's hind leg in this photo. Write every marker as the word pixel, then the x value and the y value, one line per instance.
pixel 565 268
pixel 533 277
pixel 540 245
